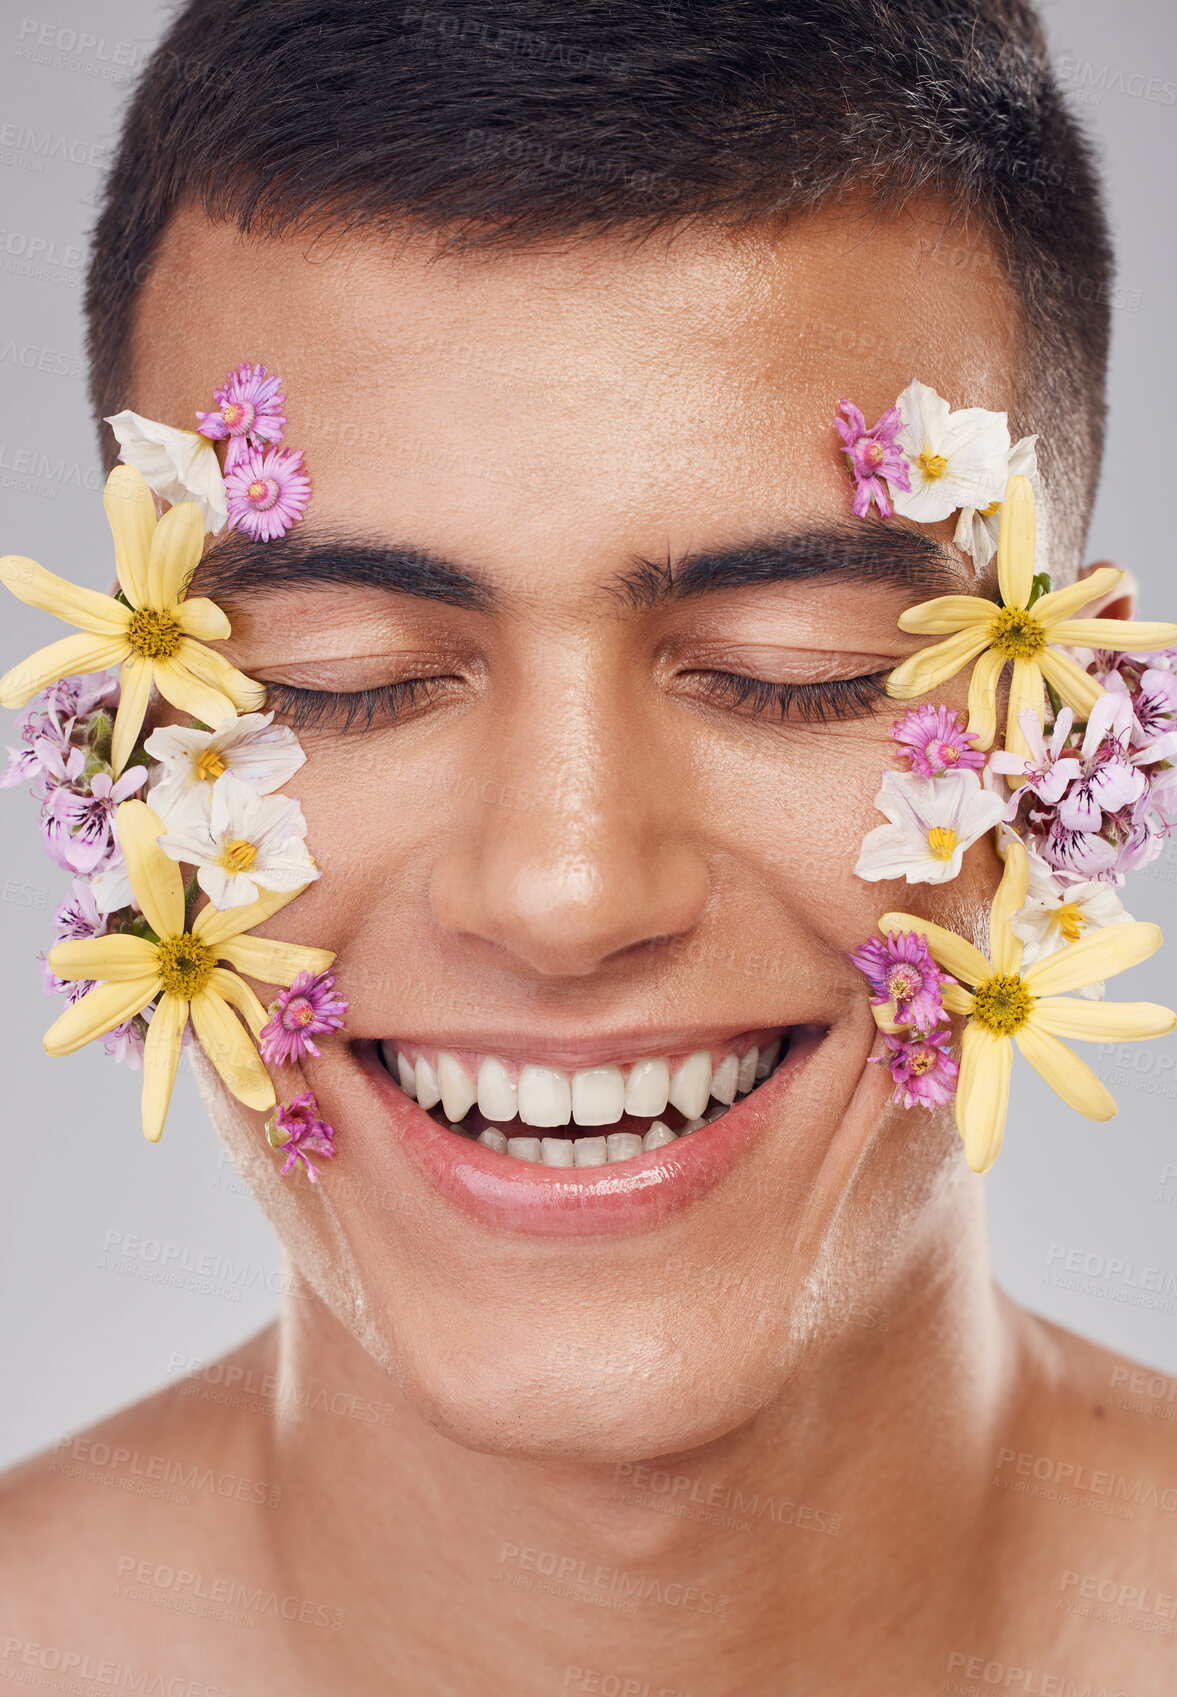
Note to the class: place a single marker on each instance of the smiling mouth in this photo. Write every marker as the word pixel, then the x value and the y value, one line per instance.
pixel 591 1117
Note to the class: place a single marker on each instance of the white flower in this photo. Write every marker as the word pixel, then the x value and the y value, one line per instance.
pixel 179 465
pixel 1056 914
pixel 250 747
pixel 955 459
pixel 247 843
pixel 933 821
pixel 977 527
pixel 111 888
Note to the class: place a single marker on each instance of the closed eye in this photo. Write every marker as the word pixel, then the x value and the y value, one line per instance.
pixel 812 703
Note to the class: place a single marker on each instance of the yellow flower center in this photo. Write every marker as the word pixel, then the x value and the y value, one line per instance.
pixel 932 465
pixel 1070 921
pixel 257 489
pixel 185 964
pixel 1003 1003
pixel 153 634
pixel 921 1060
pixel 1017 634
pixel 237 856
pixel 208 765
pixel 993 507
pixel 941 842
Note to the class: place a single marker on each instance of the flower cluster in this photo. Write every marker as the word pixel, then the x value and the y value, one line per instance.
pixel 264 490
pixel 908 1000
pixel 137 959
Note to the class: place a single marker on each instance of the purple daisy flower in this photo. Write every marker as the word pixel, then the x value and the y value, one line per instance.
pixel 310 1008
pixel 923 1071
pixel 295 1127
pixel 935 742
pixel 902 971
pixel 79 829
pixel 248 412
pixel 873 455
pixel 267 493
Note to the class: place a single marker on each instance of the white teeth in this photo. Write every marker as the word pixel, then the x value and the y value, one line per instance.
pixel 524 1148
pixel 496 1094
pixel 458 1094
pixel 545 1096
pixel 622 1145
pixel 589 1152
pixel 723 1084
pixel 691 1085
pixel 716 1112
pixel 492 1138
pixel 598 1096
pixel 769 1058
pixel 398 1063
pixel 428 1089
pixel 658 1135
pixel 556 1151
pixel 746 1076
pixel 691 1125
pixel 647 1088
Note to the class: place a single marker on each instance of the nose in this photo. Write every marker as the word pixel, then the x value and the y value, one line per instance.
pixel 583 852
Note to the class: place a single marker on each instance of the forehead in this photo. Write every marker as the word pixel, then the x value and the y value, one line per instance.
pixel 629 394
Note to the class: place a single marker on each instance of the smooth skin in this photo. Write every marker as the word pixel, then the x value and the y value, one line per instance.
pixel 821 1328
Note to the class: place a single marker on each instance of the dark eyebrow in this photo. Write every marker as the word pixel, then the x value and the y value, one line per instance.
pixel 237 568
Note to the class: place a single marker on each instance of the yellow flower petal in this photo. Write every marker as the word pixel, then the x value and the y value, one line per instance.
pixel 134 695
pixel 1100 954
pixel 1025 692
pixel 246 695
pixel 883 1014
pixel 85 653
pixel 932 666
pixel 175 549
pixel 273 962
pixel 1052 609
pixel 1077 688
pixel 1015 542
pixel 116 959
pixel 947 613
pixel 953 953
pixel 202 619
pixel 100 614
pixel 983 697
pixel 957 999
pixel 191 694
pixel 982 1094
pixel 131 512
pixel 1005 950
pixel 98 1012
pixel 226 1043
pixel 161 1057
pixel 238 994
pixel 214 926
pixel 1067 1075
pixel 1125 636
pixel 1101 1022
pixel 155 880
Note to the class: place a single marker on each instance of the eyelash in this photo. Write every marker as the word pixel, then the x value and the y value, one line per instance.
pixel 837 698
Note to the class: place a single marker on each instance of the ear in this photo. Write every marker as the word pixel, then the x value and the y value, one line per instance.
pixel 1121 603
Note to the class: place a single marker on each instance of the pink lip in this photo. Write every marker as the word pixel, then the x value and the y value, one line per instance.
pixel 516 1196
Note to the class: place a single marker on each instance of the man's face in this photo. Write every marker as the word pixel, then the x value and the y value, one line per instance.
pixel 587 497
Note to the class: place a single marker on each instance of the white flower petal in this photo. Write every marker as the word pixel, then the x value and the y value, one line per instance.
pixel 179 465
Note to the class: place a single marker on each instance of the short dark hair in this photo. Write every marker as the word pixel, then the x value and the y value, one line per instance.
pixel 520 121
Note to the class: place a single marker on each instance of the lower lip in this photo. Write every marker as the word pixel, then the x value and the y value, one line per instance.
pixel 520 1196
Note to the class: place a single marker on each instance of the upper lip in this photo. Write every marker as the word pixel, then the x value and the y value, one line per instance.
pixel 595 1050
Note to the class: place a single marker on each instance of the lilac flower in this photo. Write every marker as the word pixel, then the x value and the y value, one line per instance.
pixel 935 742
pixel 78 917
pixel 79 827
pixel 248 413
pixel 902 971
pixel 923 1071
pixel 311 1007
pixel 295 1127
pixel 1106 780
pixel 125 1043
pixel 267 493
pixel 873 455
pixel 1049 768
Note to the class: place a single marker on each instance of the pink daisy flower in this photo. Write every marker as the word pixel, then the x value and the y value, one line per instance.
pixel 873 455
pixel 924 1073
pixel 902 971
pixel 935 742
pixel 296 1128
pixel 248 412
pixel 310 1008
pixel 267 493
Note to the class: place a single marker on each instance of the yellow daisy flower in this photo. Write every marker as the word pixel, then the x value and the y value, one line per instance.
pixel 181 974
pixel 159 639
pixel 1006 1003
pixel 1028 636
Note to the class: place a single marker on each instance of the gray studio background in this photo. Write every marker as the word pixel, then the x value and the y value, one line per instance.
pixel 1084 1217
